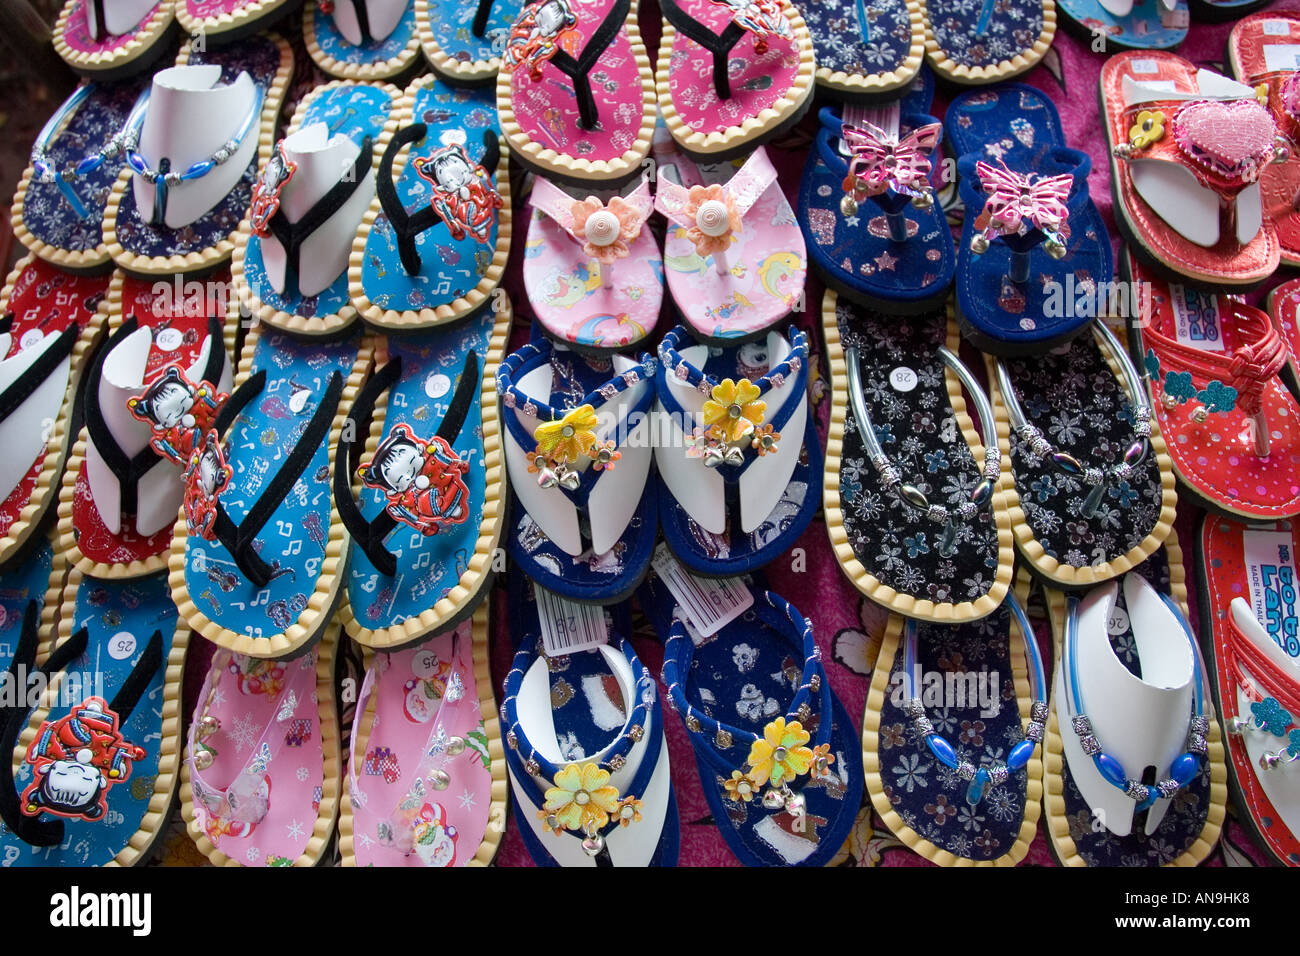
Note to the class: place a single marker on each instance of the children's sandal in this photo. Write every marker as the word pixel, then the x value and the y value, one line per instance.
pixel 362 39
pixel 230 20
pixel 463 39
pixel 865 55
pixel 994 41
pixel 113 39
pixel 1127 24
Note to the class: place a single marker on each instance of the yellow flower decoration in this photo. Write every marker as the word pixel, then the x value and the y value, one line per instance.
pixel 629 811
pixel 739 787
pixel 1261 94
pixel 766 440
pixel 1148 129
pixel 734 411
pixel 779 755
pixel 570 438
pixel 581 799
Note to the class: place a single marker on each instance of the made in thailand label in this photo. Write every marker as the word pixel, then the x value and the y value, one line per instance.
pixel 1196 318
pixel 1270 572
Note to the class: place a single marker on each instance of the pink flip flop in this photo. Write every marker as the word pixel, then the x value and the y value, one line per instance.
pixel 593 271
pixel 734 256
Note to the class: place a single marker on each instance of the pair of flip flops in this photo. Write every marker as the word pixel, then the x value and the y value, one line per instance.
pixel 113 39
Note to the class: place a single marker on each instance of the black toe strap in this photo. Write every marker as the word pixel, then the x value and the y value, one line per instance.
pixel 21 388
pixel 363 20
pixel 579 68
pixel 479 27
pixel 719 44
pixel 370 535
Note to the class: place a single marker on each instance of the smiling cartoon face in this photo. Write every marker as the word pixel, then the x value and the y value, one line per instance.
pixel 401 466
pixel 553 17
pixel 70 787
pixel 210 472
pixel 452 172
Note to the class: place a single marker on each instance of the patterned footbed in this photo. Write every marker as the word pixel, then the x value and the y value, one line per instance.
pixel 347 57
pixel 77 36
pixel 1012 28
pixel 844 44
pixel 1148 26
pixel 19 585
pixel 446 24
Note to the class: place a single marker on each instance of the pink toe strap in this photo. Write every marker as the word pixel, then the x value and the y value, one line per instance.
pixel 605 230
pixel 710 214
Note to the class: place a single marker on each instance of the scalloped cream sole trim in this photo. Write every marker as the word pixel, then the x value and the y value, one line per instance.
pixel 44 494
pixel 541 157
pixel 326 657
pixel 919 608
pixel 66 531
pixel 754 127
pixel 52 605
pixel 390 319
pixel 1029 546
pixel 479 71
pixel 469 589
pixel 246 15
pixel 496 822
pixel 317 615
pixel 381 70
pixel 216 254
pixel 858 84
pixel 147 35
pixel 291 322
pixel 871 757
pixel 169 747
pixel 1057 825
pixel 1020 63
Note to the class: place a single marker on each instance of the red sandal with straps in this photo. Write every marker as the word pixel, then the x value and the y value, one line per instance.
pixel 1233 428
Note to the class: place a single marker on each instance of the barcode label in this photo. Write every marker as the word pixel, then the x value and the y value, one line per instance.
pixel 567 626
pixel 708 603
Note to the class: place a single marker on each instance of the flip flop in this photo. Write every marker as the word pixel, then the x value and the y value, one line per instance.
pixel 734 255
pixel 1091 489
pixel 230 20
pixel 865 53
pixel 592 266
pixel 51 322
pixel 585 745
pixel 732 74
pixel 994 42
pixel 895 252
pixel 950 767
pixel 113 39
pixel 1186 198
pixel 257 554
pixel 463 39
pixel 1246 589
pixel 1262 54
pixel 99 756
pixel 1283 304
pixel 1140 673
pixel 431 785
pixel 293 273
pixel 260 781
pixel 946 562
pixel 736 448
pixel 421 555
pixel 228 100
pixel 774 747
pixel 74 163
pixel 1212 366
pixel 433 245
pixel 362 39
pixel 577 445
pixel 1126 24
pixel 165 359
pixel 1033 242
pixel 575 92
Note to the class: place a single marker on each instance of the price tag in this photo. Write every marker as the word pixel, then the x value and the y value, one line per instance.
pixel 1175 19
pixel 1117 623
pixel 121 645
pixel 30 337
pixel 1143 66
pixel 567 626
pixel 1276 28
pixel 169 340
pixel 708 603
pixel 1281 56
pixel 903 379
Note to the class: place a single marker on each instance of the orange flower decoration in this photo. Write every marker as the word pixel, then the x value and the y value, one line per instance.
pixel 716 219
pixel 605 230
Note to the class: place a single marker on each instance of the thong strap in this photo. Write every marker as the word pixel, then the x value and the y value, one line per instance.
pixel 21 388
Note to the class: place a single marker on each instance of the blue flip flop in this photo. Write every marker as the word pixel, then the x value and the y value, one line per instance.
pixel 258 552
pixel 354 50
pixel 865 54
pixel 463 39
pixel 738 455
pixel 1020 184
pixel 1144 25
pixel 752 689
pixel 586 730
pixel 425 531
pixel 36 580
pixel 101 760
pixel 434 243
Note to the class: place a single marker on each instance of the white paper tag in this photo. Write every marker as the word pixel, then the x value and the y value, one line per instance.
pixel 1143 66
pixel 121 645
pixel 709 603
pixel 1196 318
pixel 1281 56
pixel 1276 28
pixel 903 379
pixel 169 340
pixel 30 337
pixel 1117 623
pixel 567 626
pixel 1271 574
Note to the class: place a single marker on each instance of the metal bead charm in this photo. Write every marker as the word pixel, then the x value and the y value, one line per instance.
pixel 1055 249
pixel 924 201
pixel 1269 760
pixel 636 733
pixel 593 844
pixel 804 712
pixel 848 206
pixel 723 739
pixel 772 800
pixel 617 762
pixel 532 767
pixel 979 244
pixel 455 745
pixel 692 723
pixel 815 682
pixel 440 779
pixel 796 805
pixel 1200 415
pixel 512 739
pixel 203 759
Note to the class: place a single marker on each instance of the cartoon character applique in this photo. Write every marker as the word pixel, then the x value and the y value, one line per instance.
pixel 463 195
pixel 421 480
pixel 275 176
pixel 540 32
pixel 763 18
pixel 256 676
pixel 177 411
pixel 76 760
pixel 421 828
pixel 425 690
pixel 207 476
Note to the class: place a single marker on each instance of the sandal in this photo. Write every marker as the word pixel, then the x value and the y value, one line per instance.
pixel 575 92
pixel 912 503
pixel 1127 24
pixel 405 271
pixel 993 42
pixel 36 582
pixel 1283 304
pixel 213 114
pixel 291 257
pixel 470 56
pixel 427 524
pixel 230 20
pixel 362 39
pixel 113 39
pixel 865 54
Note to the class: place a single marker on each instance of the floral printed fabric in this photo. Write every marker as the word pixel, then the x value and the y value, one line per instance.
pixel 1074 398
pixel 846 44
pixel 919 432
pixel 1013 27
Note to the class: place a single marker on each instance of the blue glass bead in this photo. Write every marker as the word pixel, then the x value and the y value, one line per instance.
pixel 1110 769
pixel 198 169
pixel 1185 769
pixel 89 164
pixel 1020 755
pixel 975 792
pixel 136 162
pixel 942 750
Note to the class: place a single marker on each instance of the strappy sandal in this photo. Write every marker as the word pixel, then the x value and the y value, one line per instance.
pixel 113 39
pixel 443 167
pixel 468 57
pixel 1091 489
pixel 427 523
pixel 912 499
pixel 362 39
pixel 575 92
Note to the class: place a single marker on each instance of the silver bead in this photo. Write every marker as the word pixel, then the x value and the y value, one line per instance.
pixel 440 779
pixel 979 244
pixel 796 805
pixel 923 201
pixel 533 767
pixel 203 759
pixel 593 844
pixel 848 206
pixel 617 762
pixel 455 745
pixel 723 739
pixel 772 800
pixel 512 739
pixel 1200 415
pixel 815 682
pixel 1055 249
pixel 636 733
pixel 1269 760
